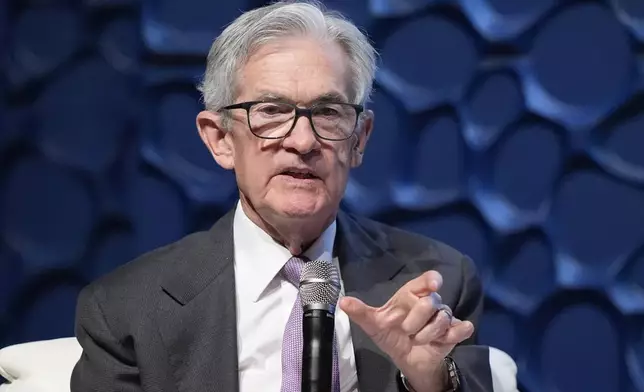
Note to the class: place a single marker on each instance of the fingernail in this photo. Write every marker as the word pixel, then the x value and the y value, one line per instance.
pixel 447 316
pixel 439 300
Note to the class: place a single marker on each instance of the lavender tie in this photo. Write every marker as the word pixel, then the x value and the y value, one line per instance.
pixel 292 345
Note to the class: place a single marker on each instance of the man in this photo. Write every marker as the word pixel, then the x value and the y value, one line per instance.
pixel 284 91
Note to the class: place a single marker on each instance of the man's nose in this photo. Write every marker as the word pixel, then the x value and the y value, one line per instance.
pixel 302 138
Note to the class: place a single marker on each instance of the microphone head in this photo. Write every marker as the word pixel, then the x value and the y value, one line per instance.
pixel 320 284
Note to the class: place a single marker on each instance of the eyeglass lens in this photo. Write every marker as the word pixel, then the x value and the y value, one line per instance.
pixel 330 121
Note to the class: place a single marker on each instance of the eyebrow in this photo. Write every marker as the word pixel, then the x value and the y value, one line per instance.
pixel 331 96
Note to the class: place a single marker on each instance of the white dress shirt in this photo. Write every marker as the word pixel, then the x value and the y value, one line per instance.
pixel 265 301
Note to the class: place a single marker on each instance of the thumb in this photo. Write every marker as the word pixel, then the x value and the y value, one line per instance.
pixel 359 312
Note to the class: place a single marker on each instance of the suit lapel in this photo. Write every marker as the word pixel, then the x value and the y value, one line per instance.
pixel 367 269
pixel 198 320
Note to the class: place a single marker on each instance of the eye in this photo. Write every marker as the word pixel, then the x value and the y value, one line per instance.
pixel 327 111
pixel 272 109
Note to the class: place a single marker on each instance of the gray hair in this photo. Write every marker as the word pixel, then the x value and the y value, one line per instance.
pixel 254 28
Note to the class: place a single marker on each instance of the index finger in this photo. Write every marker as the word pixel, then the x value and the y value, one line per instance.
pixel 425 284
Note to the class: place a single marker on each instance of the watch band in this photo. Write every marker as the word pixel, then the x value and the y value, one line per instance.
pixel 453 375
pixel 453 378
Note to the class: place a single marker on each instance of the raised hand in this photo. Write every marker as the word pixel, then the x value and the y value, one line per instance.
pixel 414 328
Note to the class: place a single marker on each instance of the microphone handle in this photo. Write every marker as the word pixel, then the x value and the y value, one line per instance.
pixel 317 352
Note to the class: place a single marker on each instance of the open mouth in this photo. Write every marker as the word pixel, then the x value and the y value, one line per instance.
pixel 300 174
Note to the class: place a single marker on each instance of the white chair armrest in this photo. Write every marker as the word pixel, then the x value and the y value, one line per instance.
pixel 504 371
pixel 42 366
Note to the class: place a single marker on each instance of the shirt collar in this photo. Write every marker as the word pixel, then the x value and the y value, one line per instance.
pixel 259 258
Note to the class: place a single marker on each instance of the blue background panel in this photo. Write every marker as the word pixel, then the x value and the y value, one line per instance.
pixel 512 130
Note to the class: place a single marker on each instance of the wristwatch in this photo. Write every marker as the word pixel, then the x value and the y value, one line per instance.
pixel 453 375
pixel 453 378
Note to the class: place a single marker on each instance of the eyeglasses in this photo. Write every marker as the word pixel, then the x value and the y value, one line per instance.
pixel 275 120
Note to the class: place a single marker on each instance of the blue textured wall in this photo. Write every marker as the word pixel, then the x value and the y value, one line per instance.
pixel 511 129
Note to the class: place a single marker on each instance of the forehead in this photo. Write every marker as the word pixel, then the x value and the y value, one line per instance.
pixel 301 69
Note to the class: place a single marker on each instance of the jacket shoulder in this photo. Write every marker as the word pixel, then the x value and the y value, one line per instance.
pixel 147 270
pixel 405 242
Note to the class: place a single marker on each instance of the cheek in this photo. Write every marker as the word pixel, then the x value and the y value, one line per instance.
pixel 341 164
pixel 254 162
pixel 342 157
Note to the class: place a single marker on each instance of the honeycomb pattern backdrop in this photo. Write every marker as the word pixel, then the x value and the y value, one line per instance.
pixel 512 130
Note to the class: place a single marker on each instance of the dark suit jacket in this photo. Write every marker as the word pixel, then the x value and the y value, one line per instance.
pixel 166 321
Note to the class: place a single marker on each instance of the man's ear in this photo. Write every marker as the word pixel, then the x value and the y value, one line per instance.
pixel 365 126
pixel 216 138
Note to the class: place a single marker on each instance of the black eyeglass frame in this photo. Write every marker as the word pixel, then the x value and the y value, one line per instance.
pixel 299 112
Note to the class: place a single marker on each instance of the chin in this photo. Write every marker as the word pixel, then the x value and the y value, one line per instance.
pixel 297 205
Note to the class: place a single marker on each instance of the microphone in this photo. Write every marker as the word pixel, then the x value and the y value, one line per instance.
pixel 319 292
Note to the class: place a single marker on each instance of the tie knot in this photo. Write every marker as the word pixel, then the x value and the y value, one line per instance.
pixel 293 269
